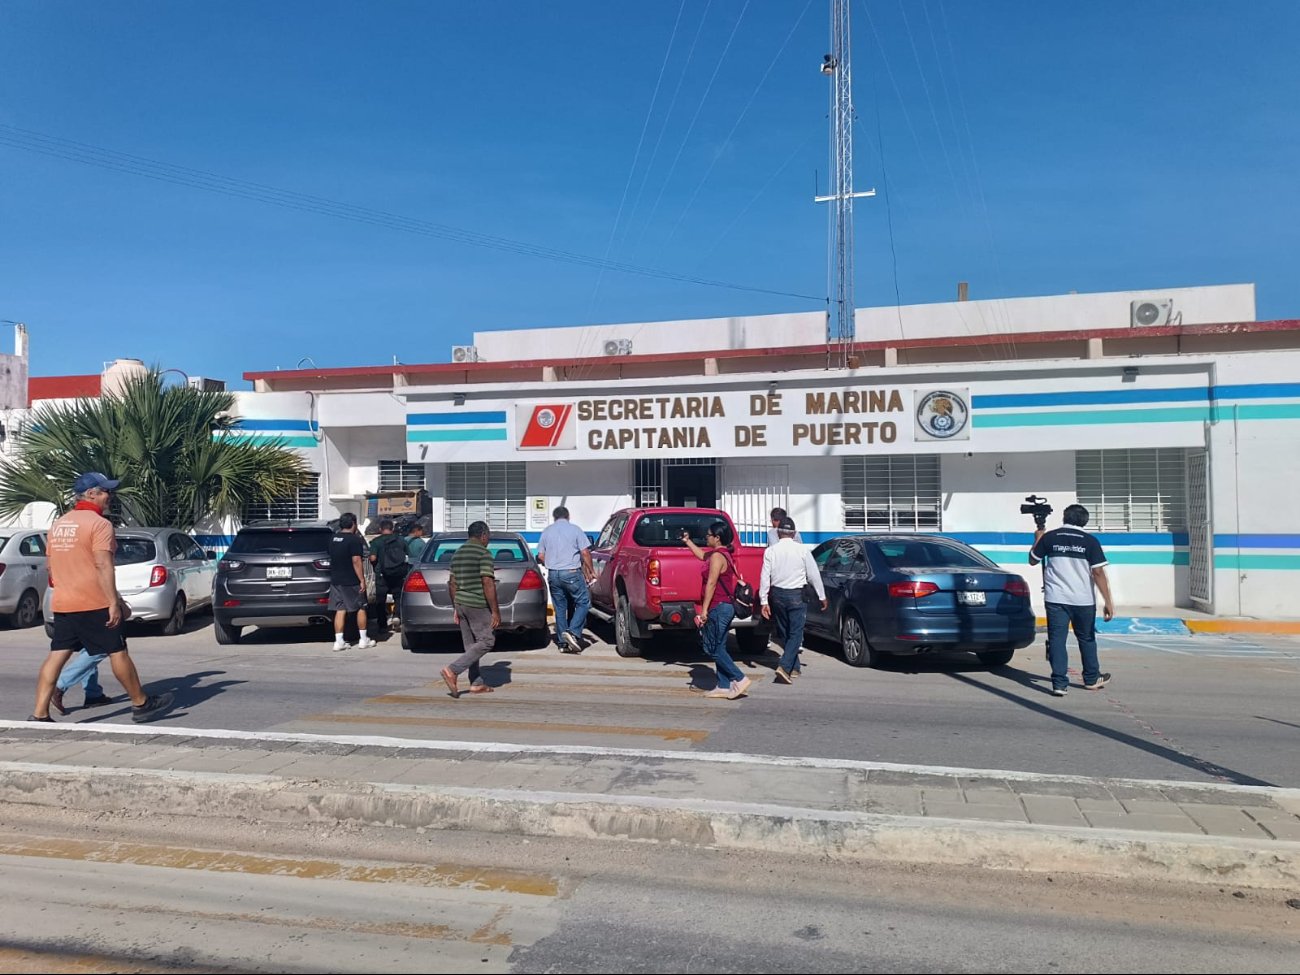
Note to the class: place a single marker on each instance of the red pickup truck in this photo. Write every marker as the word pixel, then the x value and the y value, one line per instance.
pixel 648 581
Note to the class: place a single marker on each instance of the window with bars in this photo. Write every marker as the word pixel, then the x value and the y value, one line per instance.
pixel 1141 490
pixel 304 504
pixel 399 475
pixel 883 493
pixel 493 492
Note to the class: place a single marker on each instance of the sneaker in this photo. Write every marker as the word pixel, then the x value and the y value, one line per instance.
pixel 153 707
pixel 782 677
pixel 98 701
pixel 1060 691
pixel 365 643
pixel 47 719
pixel 1101 682
pixel 725 693
pixel 741 688
pixel 574 645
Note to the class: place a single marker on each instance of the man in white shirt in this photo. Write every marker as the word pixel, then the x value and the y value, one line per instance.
pixel 787 568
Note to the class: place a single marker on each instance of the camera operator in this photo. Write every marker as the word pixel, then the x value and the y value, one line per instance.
pixel 1072 563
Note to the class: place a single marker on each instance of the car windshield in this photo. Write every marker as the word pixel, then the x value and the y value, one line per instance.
pixel 133 551
pixel 286 541
pixel 504 550
pixel 659 531
pixel 915 554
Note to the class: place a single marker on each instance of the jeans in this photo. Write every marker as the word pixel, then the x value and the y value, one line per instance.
pixel 1084 619
pixel 714 637
pixel 789 612
pixel 572 599
pixel 83 669
pixel 478 637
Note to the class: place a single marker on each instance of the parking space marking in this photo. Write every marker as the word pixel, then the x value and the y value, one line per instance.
pixel 693 735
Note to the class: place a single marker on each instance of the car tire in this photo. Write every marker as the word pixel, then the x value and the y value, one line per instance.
pixel 175 623
pixel 995 658
pixel 537 639
pixel 27 612
pixel 854 644
pixel 49 630
pixel 226 633
pixel 625 643
pixel 415 641
pixel 752 642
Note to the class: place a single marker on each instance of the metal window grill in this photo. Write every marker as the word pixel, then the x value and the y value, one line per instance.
pixel 648 478
pixel 895 492
pixel 400 475
pixel 304 504
pixel 749 493
pixel 1138 490
pixel 493 492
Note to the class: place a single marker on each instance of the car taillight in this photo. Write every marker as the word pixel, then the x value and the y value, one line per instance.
pixel 231 565
pixel 652 573
pixel 158 577
pixel 911 590
pixel 1017 586
pixel 531 580
pixel 415 582
pixel 321 564
pixel 2 568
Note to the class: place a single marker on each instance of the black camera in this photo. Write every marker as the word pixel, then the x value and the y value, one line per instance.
pixel 1039 508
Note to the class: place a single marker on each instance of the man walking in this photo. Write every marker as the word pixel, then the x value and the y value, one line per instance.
pixel 787 568
pixel 774 533
pixel 388 556
pixel 473 586
pixel 83 670
pixel 1073 563
pixel 348 581
pixel 565 550
pixel 86 606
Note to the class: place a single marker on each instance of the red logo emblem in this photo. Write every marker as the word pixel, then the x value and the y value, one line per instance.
pixel 547 427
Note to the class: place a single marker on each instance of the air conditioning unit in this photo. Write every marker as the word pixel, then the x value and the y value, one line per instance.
pixel 618 347
pixel 464 353
pixel 1146 313
pixel 205 385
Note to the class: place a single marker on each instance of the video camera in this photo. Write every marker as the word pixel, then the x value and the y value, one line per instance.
pixel 1038 507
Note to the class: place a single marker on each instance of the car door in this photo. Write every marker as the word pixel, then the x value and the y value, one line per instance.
pixel 602 553
pixel 173 553
pixel 32 568
pixel 204 571
pixel 820 620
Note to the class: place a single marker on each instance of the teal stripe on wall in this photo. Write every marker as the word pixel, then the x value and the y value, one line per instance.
pixel 443 436
pixel 280 439
pixel 1259 411
pixel 1168 414
pixel 1231 560
pixel 1165 557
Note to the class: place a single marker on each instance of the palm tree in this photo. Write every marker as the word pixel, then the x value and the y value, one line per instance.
pixel 173 448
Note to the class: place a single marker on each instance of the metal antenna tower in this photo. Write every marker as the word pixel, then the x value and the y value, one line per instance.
pixel 838 66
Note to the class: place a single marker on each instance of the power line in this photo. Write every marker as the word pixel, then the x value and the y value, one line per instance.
pixel 99 157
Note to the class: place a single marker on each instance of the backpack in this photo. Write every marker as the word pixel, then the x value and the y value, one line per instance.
pixel 742 596
pixel 392 557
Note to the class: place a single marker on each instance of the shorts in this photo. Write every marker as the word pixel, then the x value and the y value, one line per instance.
pixel 347 599
pixel 88 630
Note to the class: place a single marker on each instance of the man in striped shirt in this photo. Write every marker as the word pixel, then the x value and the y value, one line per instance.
pixel 473 587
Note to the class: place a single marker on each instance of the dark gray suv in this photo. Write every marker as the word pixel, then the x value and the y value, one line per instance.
pixel 273 575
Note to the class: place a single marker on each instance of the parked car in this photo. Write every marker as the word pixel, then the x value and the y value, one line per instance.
pixel 918 593
pixel 521 594
pixel 23 576
pixel 162 574
pixel 648 581
pixel 273 575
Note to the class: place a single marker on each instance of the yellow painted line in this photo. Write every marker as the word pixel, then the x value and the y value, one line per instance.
pixel 185 858
pixel 1281 627
pixel 42 961
pixel 667 734
pixel 508 696
pixel 674 674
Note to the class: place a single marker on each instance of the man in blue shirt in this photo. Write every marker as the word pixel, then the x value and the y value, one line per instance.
pixel 565 550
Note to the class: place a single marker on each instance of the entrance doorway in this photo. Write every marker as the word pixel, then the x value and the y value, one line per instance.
pixel 686 483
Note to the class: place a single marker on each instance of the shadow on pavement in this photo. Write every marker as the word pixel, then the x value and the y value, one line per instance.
pixel 190 690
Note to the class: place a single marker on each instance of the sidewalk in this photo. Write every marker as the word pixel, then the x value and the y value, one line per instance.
pixel 1177 831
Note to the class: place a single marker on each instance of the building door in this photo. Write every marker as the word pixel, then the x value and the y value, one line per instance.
pixel 1200 545
pixel 690 483
pixel 749 493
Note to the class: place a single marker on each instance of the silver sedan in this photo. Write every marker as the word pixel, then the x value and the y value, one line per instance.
pixel 521 593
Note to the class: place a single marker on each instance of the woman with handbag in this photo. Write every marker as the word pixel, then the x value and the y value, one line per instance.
pixel 714 619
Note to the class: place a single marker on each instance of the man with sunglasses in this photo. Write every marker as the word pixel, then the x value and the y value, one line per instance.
pixel 87 607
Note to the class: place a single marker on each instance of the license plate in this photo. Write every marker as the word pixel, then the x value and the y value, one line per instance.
pixel 971 598
pixel 286 572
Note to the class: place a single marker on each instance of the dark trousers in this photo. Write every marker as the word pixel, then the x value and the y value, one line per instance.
pixel 1060 617
pixel 789 612
pixel 386 583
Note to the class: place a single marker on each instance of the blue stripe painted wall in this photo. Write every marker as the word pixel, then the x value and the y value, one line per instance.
pixel 467 418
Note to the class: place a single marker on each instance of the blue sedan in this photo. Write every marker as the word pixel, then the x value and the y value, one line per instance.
pixel 918 593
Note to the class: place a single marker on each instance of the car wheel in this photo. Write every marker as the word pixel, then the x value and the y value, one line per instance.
pixel 26 612
pixel 625 644
pixel 176 622
pixel 49 630
pixel 226 633
pixel 995 658
pixel 854 644
pixel 752 642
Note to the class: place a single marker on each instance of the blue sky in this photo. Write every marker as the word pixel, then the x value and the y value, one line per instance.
pixel 1030 148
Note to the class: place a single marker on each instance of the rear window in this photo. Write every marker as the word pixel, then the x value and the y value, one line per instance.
pixel 661 531
pixel 287 542
pixel 503 550
pixel 133 551
pixel 925 555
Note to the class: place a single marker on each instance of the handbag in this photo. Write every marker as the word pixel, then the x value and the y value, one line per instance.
pixel 741 595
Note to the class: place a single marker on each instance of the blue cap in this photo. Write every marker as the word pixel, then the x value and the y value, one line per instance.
pixel 93 480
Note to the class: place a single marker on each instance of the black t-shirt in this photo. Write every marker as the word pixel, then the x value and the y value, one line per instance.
pixel 343 546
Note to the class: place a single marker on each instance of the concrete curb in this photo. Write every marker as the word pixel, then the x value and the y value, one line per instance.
pixel 740 826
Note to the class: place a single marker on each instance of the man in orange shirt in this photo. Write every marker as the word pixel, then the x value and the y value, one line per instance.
pixel 87 607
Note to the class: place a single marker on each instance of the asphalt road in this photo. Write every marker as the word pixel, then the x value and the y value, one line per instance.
pixel 1197 708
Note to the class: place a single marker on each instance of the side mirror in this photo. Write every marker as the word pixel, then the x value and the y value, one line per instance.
pixel 210 554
